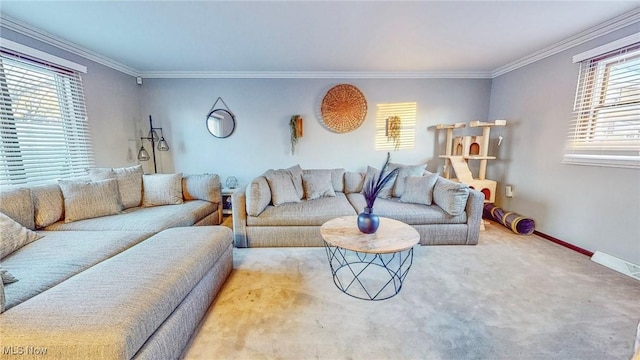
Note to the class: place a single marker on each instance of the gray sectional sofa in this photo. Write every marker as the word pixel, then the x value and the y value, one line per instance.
pixel 283 207
pixel 134 284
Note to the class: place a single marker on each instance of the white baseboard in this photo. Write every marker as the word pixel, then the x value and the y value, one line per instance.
pixel 617 264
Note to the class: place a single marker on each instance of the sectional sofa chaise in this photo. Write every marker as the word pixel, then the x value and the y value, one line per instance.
pixel 286 207
pixel 110 268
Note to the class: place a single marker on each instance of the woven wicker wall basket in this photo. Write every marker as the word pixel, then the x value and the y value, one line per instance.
pixel 343 108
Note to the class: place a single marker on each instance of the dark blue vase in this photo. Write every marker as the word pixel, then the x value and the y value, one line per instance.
pixel 368 222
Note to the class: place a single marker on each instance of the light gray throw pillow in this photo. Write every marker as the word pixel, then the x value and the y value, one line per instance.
pixel 404 172
pixel 48 204
pixel 258 196
pixel 90 199
pixel 353 182
pixel 17 204
pixel 317 185
pixel 162 189
pixel 282 187
pixel 14 236
pixel 202 187
pixel 419 189
pixel 450 196
pixel 129 182
pixel 373 173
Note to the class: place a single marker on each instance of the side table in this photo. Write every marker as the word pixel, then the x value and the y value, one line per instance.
pixel 369 266
pixel 227 193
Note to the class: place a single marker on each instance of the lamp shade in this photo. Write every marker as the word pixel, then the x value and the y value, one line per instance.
pixel 143 154
pixel 162 145
pixel 153 135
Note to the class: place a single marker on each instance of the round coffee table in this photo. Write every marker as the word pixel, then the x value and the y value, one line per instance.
pixel 369 266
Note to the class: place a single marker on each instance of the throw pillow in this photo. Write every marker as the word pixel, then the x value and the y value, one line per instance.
pixel 450 196
pixel 7 277
pixel 162 189
pixel 129 182
pixel 282 187
pixel 373 174
pixel 353 182
pixel 90 199
pixel 202 187
pixel 14 236
pixel 317 185
pixel 404 172
pixel 48 204
pixel 419 189
pixel 17 204
pixel 3 301
pixel 296 177
pixel 258 196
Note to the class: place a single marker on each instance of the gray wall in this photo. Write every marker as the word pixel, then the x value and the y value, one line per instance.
pixel 113 105
pixel 263 108
pixel 595 208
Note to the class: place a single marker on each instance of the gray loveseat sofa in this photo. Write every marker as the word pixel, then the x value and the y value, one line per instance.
pixel 134 284
pixel 270 212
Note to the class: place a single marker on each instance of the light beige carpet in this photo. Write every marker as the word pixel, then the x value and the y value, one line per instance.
pixel 509 297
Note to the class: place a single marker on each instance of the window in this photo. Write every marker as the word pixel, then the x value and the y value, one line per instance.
pixel 44 132
pixel 605 130
pixel 396 126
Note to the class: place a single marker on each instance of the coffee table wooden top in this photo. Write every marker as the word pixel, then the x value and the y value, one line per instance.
pixel 392 235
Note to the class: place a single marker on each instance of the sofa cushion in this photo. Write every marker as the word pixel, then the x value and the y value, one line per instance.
pixel 403 173
pixel 17 204
pixel 60 255
pixel 89 199
pixel 129 182
pixel 412 214
pixel 419 189
pixel 450 196
pixel 373 174
pixel 353 182
pixel 307 212
pixel 154 218
pixel 14 236
pixel 317 185
pixel 125 299
pixel 282 187
pixel 6 277
pixel 296 176
pixel 162 189
pixel 201 187
pixel 48 204
pixel 337 177
pixel 258 196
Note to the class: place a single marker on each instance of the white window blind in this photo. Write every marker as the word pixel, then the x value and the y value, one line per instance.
pixel 407 113
pixel 605 129
pixel 44 132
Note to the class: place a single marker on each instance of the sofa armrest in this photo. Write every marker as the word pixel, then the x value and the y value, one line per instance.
pixel 475 204
pixel 239 216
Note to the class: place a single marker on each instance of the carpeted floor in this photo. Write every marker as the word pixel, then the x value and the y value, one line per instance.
pixel 509 297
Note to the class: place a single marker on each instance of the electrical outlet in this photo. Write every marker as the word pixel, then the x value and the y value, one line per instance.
pixel 508 191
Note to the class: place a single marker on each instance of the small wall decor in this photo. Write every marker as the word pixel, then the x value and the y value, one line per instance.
pixel 393 130
pixel 295 125
pixel 221 122
pixel 231 182
pixel 344 108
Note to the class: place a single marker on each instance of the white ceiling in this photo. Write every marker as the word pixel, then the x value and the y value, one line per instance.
pixel 155 37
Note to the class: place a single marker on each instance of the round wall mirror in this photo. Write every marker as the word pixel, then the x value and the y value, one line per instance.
pixel 221 123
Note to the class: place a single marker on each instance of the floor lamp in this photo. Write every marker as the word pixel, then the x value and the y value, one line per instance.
pixel 143 154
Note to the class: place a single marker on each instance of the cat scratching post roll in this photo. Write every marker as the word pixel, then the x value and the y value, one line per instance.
pixel 517 223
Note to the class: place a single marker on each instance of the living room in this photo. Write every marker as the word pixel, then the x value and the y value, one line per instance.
pixel 593 208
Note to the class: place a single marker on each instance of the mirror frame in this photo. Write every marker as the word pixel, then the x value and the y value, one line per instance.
pixel 227 115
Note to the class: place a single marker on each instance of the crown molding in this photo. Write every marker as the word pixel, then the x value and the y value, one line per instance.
pixel 47 38
pixel 604 28
pixel 315 75
pixel 607 27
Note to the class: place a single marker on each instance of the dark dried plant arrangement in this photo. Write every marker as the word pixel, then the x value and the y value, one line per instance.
pixel 375 185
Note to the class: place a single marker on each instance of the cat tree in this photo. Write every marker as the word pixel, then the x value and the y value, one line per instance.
pixel 460 150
